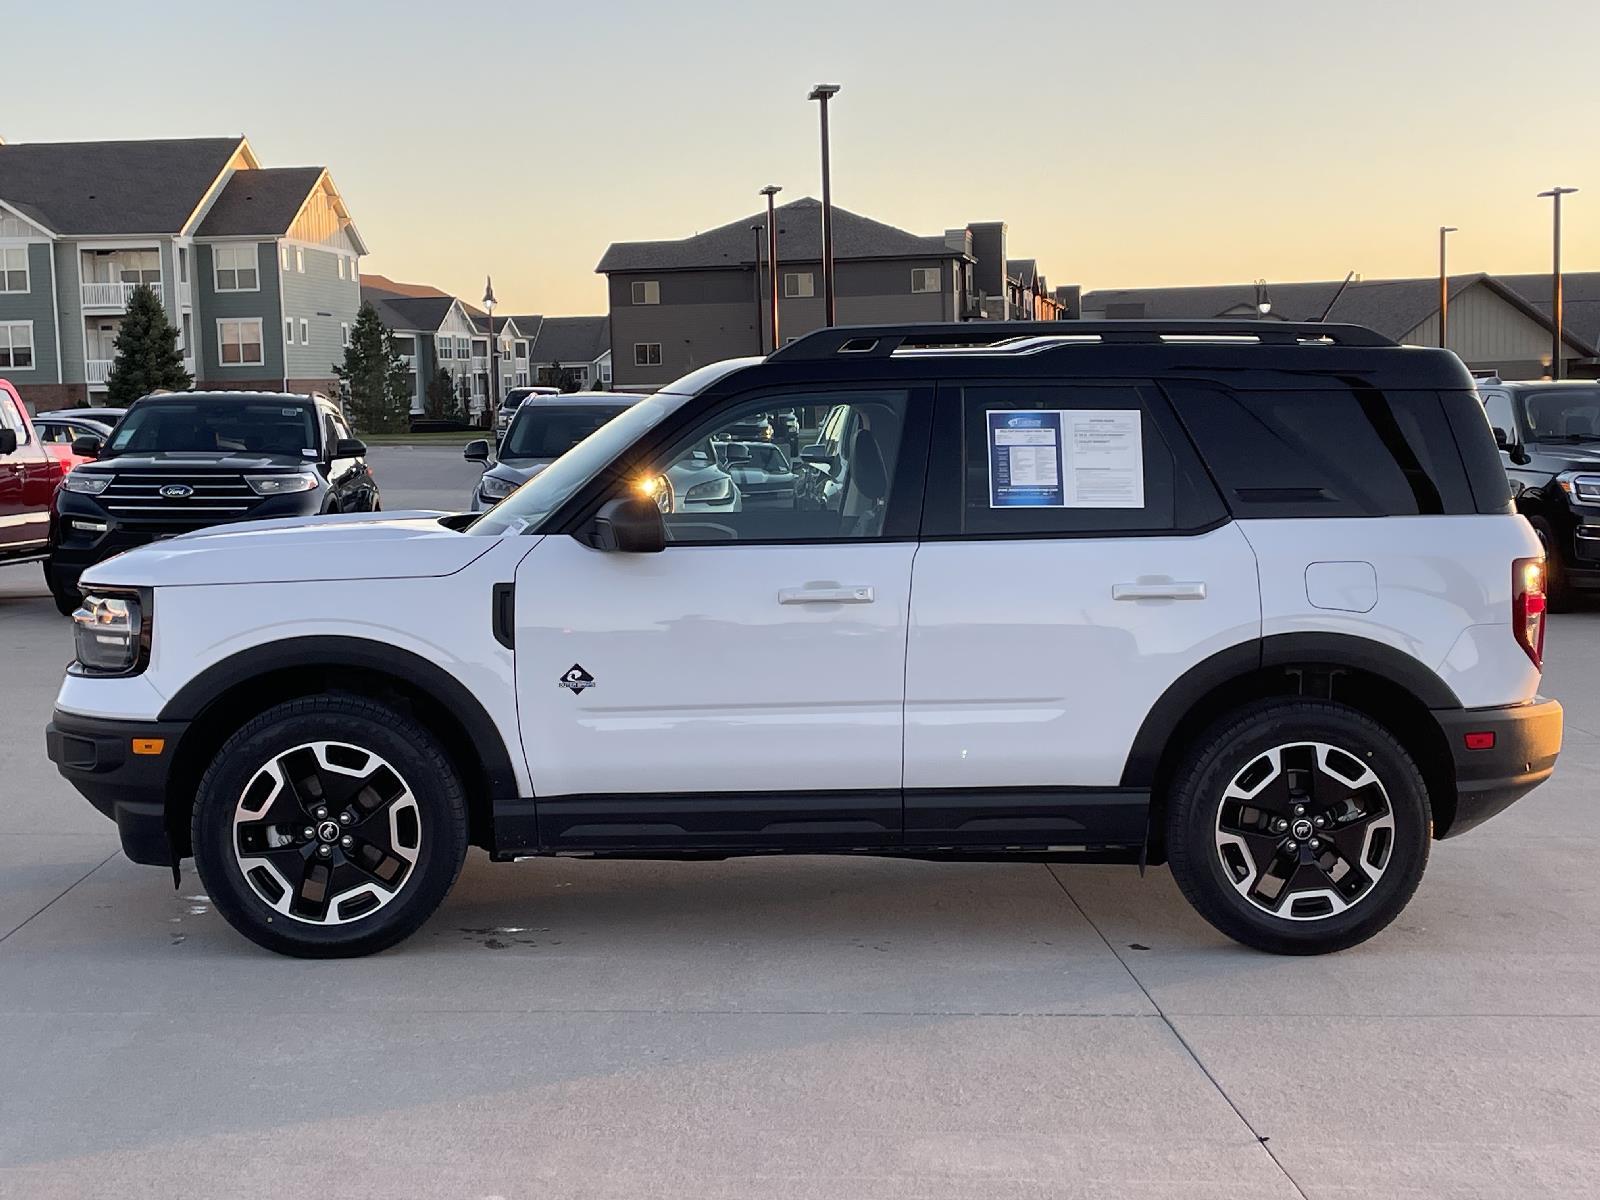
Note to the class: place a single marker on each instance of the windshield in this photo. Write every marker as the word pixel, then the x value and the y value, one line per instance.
pixel 550 430
pixel 227 427
pixel 1557 414
pixel 526 508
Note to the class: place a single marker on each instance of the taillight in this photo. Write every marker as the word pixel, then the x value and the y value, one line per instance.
pixel 1528 606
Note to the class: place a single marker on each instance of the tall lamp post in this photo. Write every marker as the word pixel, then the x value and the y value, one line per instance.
pixel 761 302
pixel 1555 195
pixel 822 93
pixel 494 352
pixel 1444 290
pixel 771 191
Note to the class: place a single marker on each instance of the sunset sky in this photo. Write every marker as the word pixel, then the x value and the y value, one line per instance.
pixel 1126 144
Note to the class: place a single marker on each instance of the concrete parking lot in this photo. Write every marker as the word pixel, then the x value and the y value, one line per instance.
pixel 813 1027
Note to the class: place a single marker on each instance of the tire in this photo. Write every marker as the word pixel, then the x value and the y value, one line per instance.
pixel 408 827
pixel 1231 857
pixel 1557 594
pixel 67 598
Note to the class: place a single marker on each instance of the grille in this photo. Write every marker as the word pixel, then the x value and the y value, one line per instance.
pixel 211 498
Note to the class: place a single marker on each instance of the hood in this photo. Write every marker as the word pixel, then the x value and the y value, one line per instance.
pixel 1577 454
pixel 202 460
pixel 518 470
pixel 410 545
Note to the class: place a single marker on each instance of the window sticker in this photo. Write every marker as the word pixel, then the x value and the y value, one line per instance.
pixel 1066 458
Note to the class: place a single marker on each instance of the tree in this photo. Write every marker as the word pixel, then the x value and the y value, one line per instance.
pixel 442 401
pixel 557 376
pixel 147 352
pixel 374 377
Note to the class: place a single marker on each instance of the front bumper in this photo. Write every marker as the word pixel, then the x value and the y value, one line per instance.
pixel 97 756
pixel 1526 740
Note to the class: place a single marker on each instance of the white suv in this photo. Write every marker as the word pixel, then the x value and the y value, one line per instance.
pixel 1245 598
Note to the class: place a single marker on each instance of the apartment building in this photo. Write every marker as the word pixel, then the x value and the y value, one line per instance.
pixel 258 267
pixel 677 305
pixel 575 349
pixel 433 332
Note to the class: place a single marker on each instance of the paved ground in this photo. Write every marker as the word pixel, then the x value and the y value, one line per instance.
pixel 802 1027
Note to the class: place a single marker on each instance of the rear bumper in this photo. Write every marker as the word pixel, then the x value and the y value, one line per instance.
pixel 97 757
pixel 1527 739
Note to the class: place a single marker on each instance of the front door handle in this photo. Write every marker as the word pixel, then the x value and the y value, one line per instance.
pixel 855 594
pixel 1158 591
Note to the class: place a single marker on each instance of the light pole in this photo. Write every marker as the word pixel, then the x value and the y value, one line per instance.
pixel 493 404
pixel 771 191
pixel 822 93
pixel 1555 194
pixel 1444 290
pixel 761 345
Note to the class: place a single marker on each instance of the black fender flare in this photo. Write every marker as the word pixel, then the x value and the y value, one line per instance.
pixel 325 651
pixel 1335 650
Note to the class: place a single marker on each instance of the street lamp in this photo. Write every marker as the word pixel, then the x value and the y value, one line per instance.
pixel 1555 194
pixel 770 191
pixel 1263 299
pixel 761 346
pixel 494 351
pixel 1444 290
pixel 822 93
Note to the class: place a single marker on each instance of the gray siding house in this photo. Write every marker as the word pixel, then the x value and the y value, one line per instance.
pixel 577 347
pixel 258 268
pixel 433 332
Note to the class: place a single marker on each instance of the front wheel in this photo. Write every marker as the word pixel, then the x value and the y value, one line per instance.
pixel 1298 826
pixel 329 827
pixel 66 596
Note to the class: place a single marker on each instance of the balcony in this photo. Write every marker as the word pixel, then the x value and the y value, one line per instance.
pixel 480 363
pixel 112 296
pixel 98 371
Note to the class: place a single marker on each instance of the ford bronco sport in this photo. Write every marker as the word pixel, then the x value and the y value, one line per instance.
pixel 1246 598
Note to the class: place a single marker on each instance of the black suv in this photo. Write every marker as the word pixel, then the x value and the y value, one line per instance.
pixel 184 461
pixel 1549 437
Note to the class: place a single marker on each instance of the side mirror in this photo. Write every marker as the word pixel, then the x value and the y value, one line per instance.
pixel 631 524
pixel 349 448
pixel 87 446
pixel 738 452
pixel 1501 438
pixel 8 441
pixel 477 450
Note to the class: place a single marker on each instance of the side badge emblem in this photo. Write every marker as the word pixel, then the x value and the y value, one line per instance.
pixel 576 679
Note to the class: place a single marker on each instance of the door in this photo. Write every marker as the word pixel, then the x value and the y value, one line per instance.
pixel 348 478
pixel 1076 561
pixel 745 686
pixel 28 478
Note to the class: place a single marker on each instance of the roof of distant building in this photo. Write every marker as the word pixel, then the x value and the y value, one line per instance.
pixel 260 203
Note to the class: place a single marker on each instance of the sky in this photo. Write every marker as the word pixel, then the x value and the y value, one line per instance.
pixel 1146 142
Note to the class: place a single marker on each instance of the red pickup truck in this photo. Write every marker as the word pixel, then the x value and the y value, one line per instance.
pixel 29 476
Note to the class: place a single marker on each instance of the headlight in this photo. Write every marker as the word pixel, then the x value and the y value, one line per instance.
pixel 497 489
pixel 108 630
pixel 89 485
pixel 1583 486
pixel 279 485
pixel 716 489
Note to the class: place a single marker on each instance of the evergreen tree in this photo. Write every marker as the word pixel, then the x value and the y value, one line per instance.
pixel 443 401
pixel 147 352
pixel 378 396
pixel 557 376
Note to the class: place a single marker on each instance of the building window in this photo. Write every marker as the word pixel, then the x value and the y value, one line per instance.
pixel 925 279
pixel 647 354
pixel 798 285
pixel 16 346
pixel 522 350
pixel 288 259
pixel 305 332
pixel 299 260
pixel 239 343
pixel 235 269
pixel 341 266
pixel 288 330
pixel 646 291
pixel 14 269
pixel 344 334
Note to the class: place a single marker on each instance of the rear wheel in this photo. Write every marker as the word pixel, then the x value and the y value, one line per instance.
pixel 1558 596
pixel 1298 827
pixel 328 827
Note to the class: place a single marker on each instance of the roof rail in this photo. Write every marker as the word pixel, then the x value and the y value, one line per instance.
pixel 881 341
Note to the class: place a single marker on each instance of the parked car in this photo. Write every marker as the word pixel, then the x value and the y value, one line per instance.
pixel 59 432
pixel 105 416
pixel 514 398
pixel 29 475
pixel 1549 439
pixel 782 428
pixel 183 461
pixel 1248 598
pixel 548 425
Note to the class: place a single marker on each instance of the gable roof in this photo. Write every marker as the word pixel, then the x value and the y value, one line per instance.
pixel 260 203
pixel 1023 270
pixel 420 313
pixel 570 340
pixel 382 284
pixel 799 240
pixel 112 188
pixel 1580 300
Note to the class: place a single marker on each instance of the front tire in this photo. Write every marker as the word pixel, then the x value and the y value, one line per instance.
pixel 1557 593
pixel 1298 826
pixel 329 827
pixel 66 596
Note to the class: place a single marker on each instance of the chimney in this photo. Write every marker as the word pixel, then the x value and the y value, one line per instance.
pixel 959 240
pixel 989 248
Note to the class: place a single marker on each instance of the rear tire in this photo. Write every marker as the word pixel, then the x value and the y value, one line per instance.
pixel 329 827
pixel 1298 826
pixel 1557 594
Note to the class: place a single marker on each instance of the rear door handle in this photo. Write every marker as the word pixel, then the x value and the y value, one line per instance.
pixel 856 594
pixel 1158 591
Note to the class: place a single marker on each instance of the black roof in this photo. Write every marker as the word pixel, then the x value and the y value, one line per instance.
pixel 260 203
pixel 570 339
pixel 425 313
pixel 132 187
